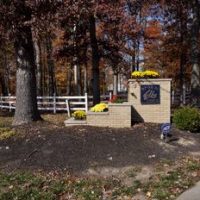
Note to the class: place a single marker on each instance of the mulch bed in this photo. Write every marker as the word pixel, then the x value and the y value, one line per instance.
pixel 44 146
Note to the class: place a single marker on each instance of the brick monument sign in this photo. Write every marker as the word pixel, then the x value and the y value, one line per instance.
pixel 150 100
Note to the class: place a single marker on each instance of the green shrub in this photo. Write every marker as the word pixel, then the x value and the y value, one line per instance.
pixel 187 118
pixel 118 100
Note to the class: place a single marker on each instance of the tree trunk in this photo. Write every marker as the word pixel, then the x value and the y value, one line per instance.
pixel 26 103
pixel 85 85
pixel 38 63
pixel 3 86
pixel 69 81
pixel 85 74
pixel 182 75
pixel 77 81
pixel 195 78
pixel 44 69
pixel 138 53
pixel 115 85
pixel 95 61
pixel 51 67
pixel 183 53
pixel 4 76
pixel 133 62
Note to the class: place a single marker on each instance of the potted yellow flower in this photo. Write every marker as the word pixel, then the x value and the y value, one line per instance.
pixel 145 74
pixel 101 107
pixel 79 115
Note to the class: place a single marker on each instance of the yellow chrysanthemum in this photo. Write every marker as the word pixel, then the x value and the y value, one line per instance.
pixel 137 74
pixel 145 74
pixel 101 107
pixel 149 73
pixel 79 114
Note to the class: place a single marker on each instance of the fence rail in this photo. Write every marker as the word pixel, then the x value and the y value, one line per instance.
pixel 59 103
pixel 178 97
pixel 73 103
pixel 51 103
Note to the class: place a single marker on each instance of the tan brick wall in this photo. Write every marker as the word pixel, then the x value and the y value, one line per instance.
pixel 98 119
pixel 159 113
pixel 118 116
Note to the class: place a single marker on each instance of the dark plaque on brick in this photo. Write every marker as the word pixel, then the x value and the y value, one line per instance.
pixel 150 94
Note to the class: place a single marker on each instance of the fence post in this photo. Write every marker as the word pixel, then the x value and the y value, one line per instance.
pixel 54 103
pixel 1 103
pixel 110 96
pixel 10 108
pixel 68 107
pixel 86 102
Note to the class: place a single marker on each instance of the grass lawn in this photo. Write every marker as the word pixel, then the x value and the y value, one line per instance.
pixel 54 185
pixel 48 161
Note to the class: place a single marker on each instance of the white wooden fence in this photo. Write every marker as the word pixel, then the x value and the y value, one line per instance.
pixel 73 103
pixel 51 103
pixel 178 98
pixel 58 103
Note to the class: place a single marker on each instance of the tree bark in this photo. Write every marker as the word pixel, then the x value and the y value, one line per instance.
pixel 138 53
pixel 95 61
pixel 85 80
pixel 26 102
pixel 133 62
pixel 69 81
pixel 195 78
pixel 38 63
pixel 4 76
pixel 51 67
pixel 183 53
pixel 44 68
pixel 77 81
pixel 3 86
pixel 115 85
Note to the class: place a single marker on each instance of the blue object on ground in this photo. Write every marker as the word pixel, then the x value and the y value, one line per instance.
pixel 165 129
